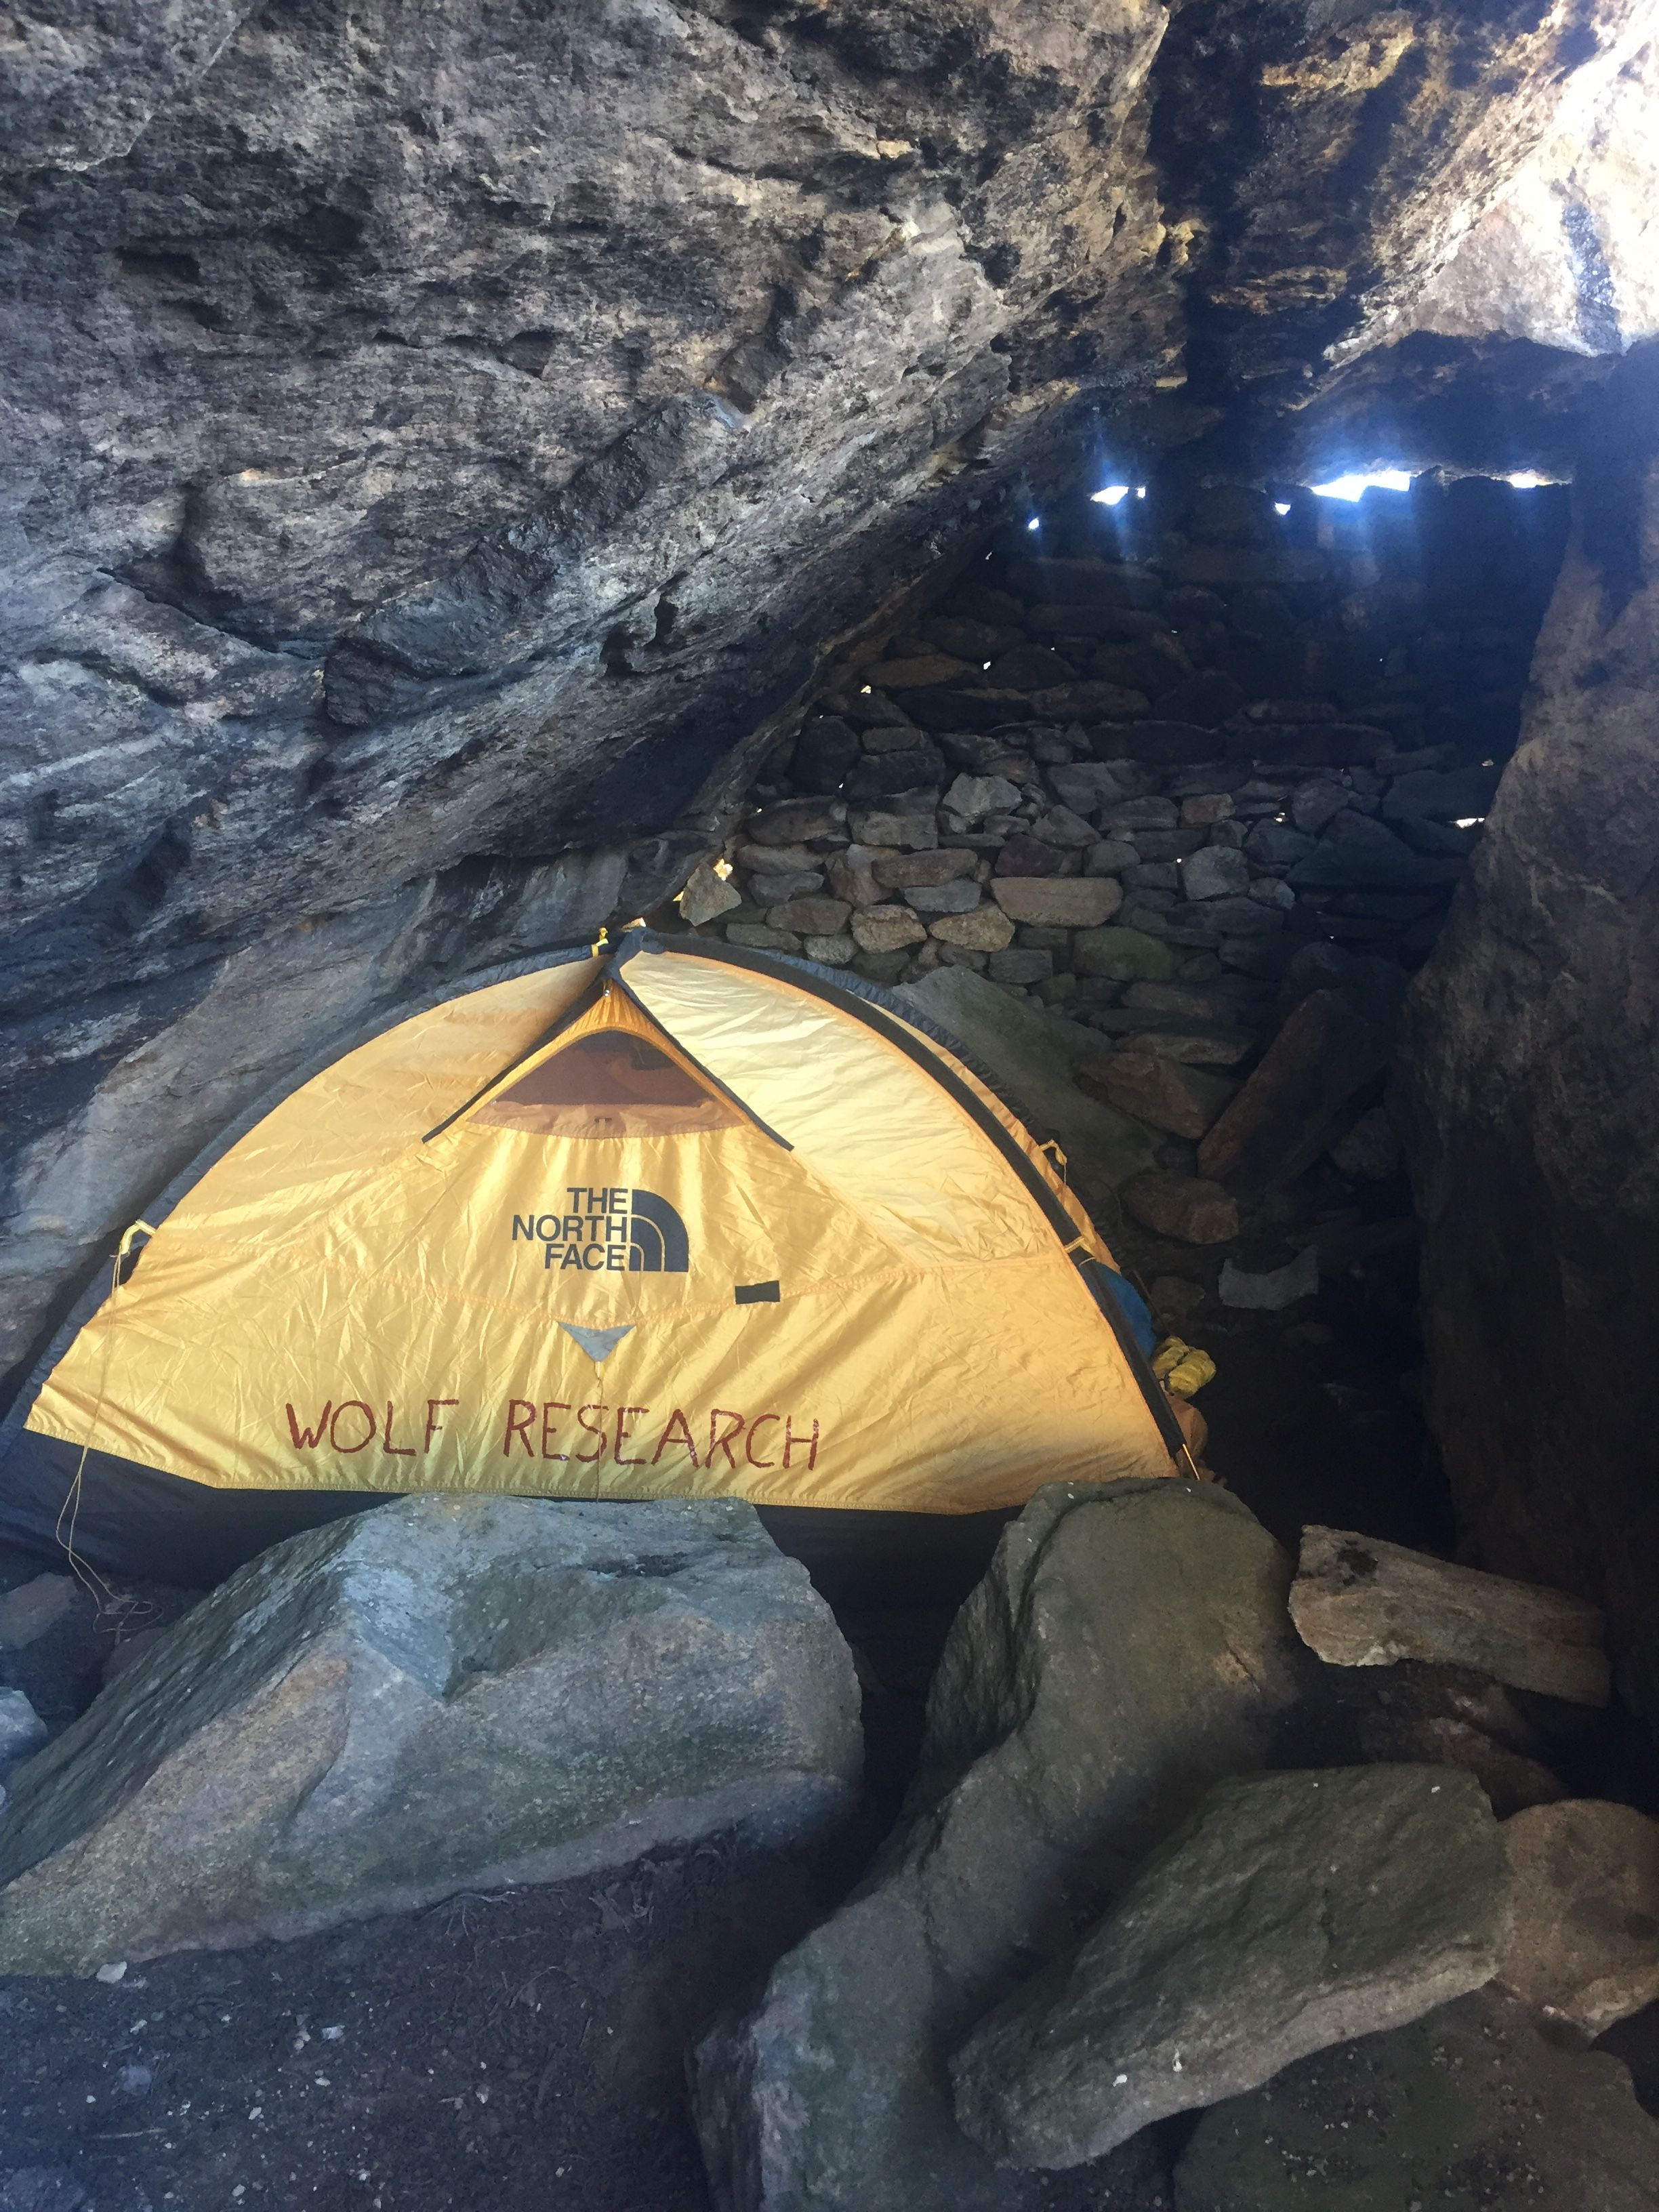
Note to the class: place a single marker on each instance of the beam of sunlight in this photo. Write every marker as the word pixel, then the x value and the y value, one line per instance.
pixel 1354 486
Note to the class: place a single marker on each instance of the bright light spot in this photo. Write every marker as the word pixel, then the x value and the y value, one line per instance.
pixel 722 869
pixel 1034 524
pixel 1281 507
pixel 985 664
pixel 1524 480
pixel 1111 494
pixel 1351 487
pixel 1470 821
pixel 1141 491
pixel 864 691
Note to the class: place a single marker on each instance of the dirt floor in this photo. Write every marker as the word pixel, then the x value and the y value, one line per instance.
pixel 524 2048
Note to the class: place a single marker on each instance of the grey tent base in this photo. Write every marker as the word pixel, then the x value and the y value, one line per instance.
pixel 137 1523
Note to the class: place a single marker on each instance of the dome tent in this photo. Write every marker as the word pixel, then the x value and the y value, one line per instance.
pixel 671 1219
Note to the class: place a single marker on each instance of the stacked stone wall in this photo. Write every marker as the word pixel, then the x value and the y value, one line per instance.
pixel 1202 778
pixel 1170 769
pixel 1122 750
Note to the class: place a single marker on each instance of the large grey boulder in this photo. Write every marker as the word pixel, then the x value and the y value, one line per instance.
pixel 1036 1055
pixel 442 1694
pixel 1128 1647
pixel 1293 1910
pixel 1470 2109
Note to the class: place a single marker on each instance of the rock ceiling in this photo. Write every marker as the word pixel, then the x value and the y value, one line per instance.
pixel 436 436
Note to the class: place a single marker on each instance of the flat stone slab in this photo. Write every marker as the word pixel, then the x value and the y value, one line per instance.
pixel 1165 1092
pixel 1059 902
pixel 1293 1910
pixel 1469 2110
pixel 443 1693
pixel 1360 1602
pixel 1127 1648
pixel 1585 1941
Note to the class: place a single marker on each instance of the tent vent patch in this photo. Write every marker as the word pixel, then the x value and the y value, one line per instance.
pixel 598 1343
pixel 755 1294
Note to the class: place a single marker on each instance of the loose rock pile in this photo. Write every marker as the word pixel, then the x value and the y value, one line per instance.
pixel 1135 1876
pixel 1098 1910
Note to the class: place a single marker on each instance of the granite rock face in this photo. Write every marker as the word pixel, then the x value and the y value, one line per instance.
pixel 1528 1095
pixel 436 1695
pixel 1127 1648
pixel 1293 1910
pixel 439 447
pixel 1562 259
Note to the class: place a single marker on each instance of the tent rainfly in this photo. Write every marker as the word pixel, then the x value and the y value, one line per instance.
pixel 669 1220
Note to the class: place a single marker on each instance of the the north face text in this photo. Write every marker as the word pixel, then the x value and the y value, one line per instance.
pixel 615 1232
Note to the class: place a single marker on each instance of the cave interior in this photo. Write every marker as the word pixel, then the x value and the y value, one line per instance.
pixel 478 479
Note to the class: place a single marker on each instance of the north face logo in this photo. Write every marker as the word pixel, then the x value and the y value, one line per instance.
pixel 620 1231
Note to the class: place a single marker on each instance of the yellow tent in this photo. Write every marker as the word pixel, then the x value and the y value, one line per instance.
pixel 674 1220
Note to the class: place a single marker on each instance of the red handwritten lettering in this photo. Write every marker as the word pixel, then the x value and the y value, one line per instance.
pixel 748 1445
pixel 601 1434
pixel 433 1424
pixel 309 1438
pixel 520 1412
pixel 678 1431
pixel 388 1450
pixel 351 1406
pixel 724 1442
pixel 552 1406
pixel 623 1431
pixel 790 1440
